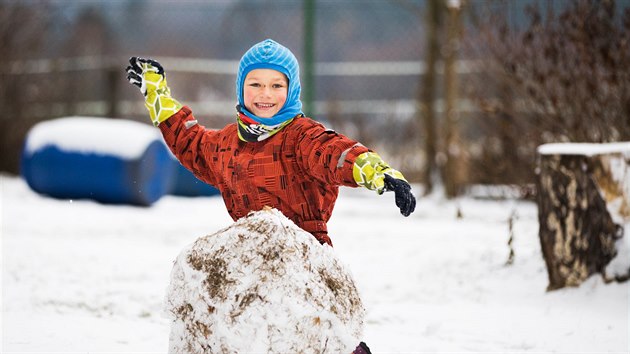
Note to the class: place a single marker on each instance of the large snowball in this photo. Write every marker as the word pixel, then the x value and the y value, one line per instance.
pixel 262 285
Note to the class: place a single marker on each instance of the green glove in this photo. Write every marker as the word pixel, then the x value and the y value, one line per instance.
pixel 371 172
pixel 148 75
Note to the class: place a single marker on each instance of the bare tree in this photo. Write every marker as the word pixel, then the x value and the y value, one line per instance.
pixel 23 30
pixel 90 37
pixel 431 16
pixel 453 167
pixel 573 70
pixel 428 92
pixel 563 77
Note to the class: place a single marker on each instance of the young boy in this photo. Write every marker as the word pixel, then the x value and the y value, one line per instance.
pixel 272 155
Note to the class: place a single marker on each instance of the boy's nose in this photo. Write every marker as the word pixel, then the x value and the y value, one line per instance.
pixel 266 91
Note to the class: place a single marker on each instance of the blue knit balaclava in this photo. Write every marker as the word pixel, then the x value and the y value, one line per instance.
pixel 269 54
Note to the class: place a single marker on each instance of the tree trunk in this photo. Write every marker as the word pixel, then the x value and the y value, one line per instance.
pixel 113 77
pixel 581 199
pixel 452 145
pixel 427 93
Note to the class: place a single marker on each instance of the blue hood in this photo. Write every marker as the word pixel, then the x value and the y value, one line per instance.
pixel 269 54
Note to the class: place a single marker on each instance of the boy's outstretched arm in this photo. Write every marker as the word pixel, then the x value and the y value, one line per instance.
pixel 184 137
pixel 149 76
pixel 371 172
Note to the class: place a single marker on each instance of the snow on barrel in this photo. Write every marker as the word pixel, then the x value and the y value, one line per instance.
pixel 108 160
pixel 262 285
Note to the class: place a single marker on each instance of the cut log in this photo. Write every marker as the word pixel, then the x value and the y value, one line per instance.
pixel 583 206
pixel 262 285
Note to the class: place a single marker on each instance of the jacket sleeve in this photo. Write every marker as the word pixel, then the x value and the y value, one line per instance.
pixel 191 143
pixel 327 155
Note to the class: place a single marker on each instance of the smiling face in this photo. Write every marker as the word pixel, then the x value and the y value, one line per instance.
pixel 265 92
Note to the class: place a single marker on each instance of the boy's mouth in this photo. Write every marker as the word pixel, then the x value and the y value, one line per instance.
pixel 264 105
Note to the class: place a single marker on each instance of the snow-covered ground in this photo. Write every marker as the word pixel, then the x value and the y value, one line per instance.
pixel 82 277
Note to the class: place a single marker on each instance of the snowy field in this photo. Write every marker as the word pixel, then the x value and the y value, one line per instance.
pixel 81 277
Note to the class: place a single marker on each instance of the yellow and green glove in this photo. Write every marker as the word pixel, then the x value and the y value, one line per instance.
pixel 371 172
pixel 148 75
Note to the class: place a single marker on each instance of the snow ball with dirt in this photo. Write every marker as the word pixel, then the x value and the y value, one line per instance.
pixel 262 285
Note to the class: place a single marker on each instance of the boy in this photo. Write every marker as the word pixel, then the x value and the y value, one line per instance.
pixel 273 155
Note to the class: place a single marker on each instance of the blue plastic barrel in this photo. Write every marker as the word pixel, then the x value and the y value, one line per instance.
pixel 107 160
pixel 186 184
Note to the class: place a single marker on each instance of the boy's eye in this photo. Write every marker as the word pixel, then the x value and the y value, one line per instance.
pixel 278 85
pixel 254 84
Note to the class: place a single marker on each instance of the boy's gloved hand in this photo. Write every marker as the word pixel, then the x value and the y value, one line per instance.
pixel 371 172
pixel 148 75
pixel 145 73
pixel 405 200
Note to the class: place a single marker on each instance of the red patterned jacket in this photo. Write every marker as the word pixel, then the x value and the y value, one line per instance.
pixel 297 171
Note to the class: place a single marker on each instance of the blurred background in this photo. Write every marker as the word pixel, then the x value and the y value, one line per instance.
pixel 453 93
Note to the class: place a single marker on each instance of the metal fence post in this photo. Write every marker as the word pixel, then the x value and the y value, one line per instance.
pixel 308 77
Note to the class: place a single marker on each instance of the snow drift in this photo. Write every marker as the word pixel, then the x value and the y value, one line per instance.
pixel 262 285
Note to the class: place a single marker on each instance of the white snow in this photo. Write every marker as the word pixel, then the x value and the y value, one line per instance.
pixel 620 172
pixel 118 137
pixel 84 277
pixel 586 149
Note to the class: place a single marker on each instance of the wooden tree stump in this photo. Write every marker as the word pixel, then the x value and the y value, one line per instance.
pixel 583 204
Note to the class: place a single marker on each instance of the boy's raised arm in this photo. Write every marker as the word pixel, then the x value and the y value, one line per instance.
pixel 184 136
